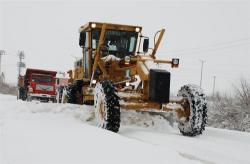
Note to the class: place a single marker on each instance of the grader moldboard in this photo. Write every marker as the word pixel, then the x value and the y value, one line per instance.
pixel 114 74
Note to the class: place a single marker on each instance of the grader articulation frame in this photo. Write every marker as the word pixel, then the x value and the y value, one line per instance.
pixel 116 74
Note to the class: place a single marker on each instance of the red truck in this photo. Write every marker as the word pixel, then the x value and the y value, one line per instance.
pixel 37 84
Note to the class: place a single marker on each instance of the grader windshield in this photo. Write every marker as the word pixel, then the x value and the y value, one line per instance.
pixel 116 42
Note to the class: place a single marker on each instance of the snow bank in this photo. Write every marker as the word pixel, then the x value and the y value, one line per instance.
pixel 47 133
pixel 64 133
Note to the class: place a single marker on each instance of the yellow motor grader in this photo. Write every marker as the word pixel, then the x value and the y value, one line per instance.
pixel 118 71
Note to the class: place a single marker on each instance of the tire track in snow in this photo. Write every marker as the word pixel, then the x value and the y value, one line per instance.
pixel 191 157
pixel 182 154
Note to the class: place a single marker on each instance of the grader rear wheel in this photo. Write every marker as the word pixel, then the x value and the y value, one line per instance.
pixel 107 106
pixel 197 104
pixel 71 94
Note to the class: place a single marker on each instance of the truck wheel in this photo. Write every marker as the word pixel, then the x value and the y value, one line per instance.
pixel 29 98
pixel 197 103
pixel 107 106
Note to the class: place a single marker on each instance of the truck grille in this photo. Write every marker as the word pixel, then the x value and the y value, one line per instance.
pixel 44 87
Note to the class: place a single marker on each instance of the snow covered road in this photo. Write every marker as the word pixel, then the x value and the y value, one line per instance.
pixel 38 133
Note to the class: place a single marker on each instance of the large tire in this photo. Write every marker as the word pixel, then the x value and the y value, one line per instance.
pixel 107 106
pixel 71 94
pixel 74 92
pixel 196 122
pixel 79 94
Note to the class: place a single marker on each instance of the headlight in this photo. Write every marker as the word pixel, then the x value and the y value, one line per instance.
pixel 93 25
pixel 127 84
pixel 127 59
pixel 175 62
pixel 137 29
pixel 93 81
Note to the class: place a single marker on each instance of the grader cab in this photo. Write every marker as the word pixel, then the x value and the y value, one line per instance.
pixel 118 72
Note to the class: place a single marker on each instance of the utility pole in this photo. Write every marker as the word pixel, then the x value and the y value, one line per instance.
pixel 202 62
pixel 20 63
pixel 214 84
pixel 2 52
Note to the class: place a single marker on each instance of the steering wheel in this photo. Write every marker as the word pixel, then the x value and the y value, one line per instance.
pixel 122 52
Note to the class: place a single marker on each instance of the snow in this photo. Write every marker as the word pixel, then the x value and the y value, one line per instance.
pixel 34 132
pixel 110 57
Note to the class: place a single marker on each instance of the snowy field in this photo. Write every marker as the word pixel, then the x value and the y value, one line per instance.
pixel 39 133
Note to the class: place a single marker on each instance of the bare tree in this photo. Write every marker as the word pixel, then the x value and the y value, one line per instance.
pixel 242 93
pixel 232 112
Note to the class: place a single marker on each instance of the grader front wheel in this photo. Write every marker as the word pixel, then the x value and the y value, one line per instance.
pixel 197 104
pixel 107 106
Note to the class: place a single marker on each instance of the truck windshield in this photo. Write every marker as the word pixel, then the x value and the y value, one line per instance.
pixel 42 79
pixel 116 42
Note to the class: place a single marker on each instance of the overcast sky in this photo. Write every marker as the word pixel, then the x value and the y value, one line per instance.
pixel 217 31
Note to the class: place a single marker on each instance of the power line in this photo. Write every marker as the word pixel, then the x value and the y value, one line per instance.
pixel 202 62
pixel 2 52
pixel 214 47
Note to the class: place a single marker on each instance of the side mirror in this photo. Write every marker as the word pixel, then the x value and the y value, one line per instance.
pixel 82 39
pixel 145 45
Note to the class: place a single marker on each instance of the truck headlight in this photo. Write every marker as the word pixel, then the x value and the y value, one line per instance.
pixel 127 84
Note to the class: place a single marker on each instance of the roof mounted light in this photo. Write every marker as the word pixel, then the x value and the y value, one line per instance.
pixel 127 60
pixel 137 29
pixel 93 25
